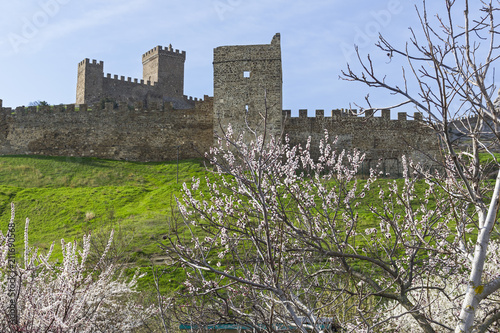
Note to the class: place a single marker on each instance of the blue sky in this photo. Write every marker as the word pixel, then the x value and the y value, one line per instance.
pixel 42 41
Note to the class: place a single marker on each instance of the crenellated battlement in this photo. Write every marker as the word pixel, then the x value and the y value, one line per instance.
pixel 160 50
pixel 121 79
pixel 88 62
pixel 352 115
pixel 194 99
pixel 374 133
pixel 46 113
pixel 470 117
pixel 124 107
pixel 136 132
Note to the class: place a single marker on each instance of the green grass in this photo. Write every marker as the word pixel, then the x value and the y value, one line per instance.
pixel 67 197
pixel 488 158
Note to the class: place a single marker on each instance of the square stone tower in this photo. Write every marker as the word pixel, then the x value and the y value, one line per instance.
pixel 165 67
pixel 89 86
pixel 247 85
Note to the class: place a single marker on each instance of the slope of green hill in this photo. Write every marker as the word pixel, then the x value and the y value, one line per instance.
pixel 68 197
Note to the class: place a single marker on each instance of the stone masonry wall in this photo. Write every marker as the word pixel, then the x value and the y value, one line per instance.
pixel 129 91
pixel 382 139
pixel 247 83
pixel 129 134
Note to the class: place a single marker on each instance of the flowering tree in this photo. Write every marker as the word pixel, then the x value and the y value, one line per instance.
pixel 40 295
pixel 242 263
pixel 448 76
pixel 281 240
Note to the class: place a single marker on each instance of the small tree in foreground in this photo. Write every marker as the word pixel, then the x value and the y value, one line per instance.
pixel 40 295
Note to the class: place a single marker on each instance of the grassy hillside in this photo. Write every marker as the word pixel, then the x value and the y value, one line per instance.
pixel 67 197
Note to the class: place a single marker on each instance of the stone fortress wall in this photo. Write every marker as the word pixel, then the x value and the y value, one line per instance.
pixel 154 119
pixel 122 133
pixel 382 139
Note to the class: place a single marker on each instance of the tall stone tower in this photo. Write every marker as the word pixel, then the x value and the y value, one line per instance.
pixel 89 86
pixel 247 85
pixel 165 67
